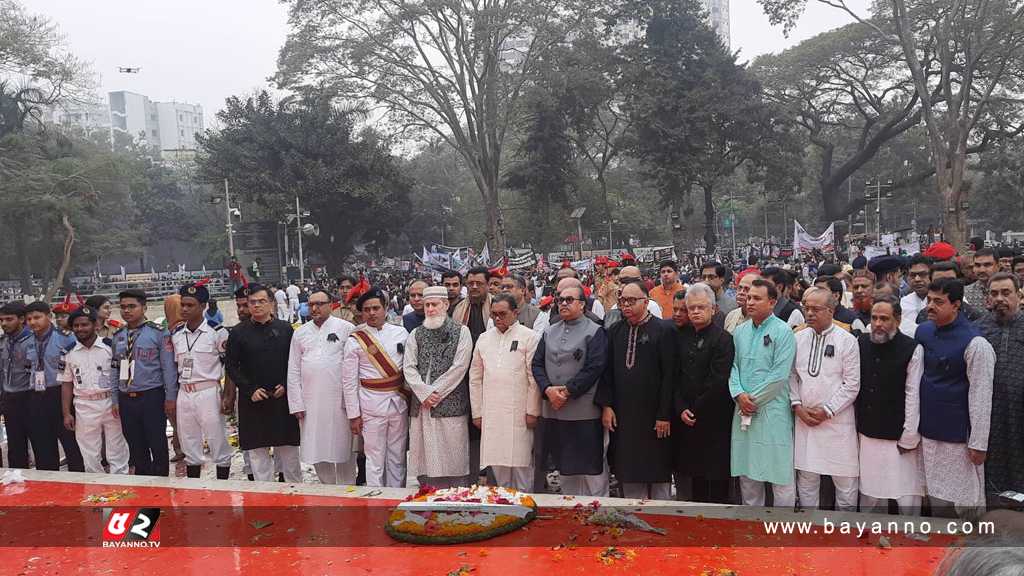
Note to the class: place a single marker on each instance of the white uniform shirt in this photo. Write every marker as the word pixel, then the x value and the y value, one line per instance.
pixel 88 368
pixel 911 306
pixel 826 373
pixel 202 349
pixel 357 366
pixel 283 312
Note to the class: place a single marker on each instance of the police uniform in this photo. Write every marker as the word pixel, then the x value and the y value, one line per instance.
pixel 198 355
pixel 143 358
pixel 92 378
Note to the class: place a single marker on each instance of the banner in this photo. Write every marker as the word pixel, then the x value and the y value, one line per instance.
pixel 804 242
pixel 521 259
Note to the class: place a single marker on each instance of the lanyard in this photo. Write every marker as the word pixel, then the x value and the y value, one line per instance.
pixel 41 346
pixel 190 345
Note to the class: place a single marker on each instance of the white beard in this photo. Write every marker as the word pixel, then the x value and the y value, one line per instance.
pixel 433 322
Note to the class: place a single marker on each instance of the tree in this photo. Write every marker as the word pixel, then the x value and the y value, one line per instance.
pixel 969 53
pixel 697 115
pixel 452 68
pixel 57 196
pixel 306 146
pixel 849 92
pixel 36 68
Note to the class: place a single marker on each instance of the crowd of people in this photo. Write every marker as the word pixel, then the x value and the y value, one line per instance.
pixel 898 379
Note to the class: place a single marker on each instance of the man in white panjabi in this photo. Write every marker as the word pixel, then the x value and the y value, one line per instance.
pixel 888 412
pixel 315 394
pixel 372 380
pixel 822 388
pixel 436 359
pixel 504 396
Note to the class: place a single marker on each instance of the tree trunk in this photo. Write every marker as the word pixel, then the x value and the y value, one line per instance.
pixel 21 255
pixel 710 236
pixel 678 237
pixel 949 177
pixel 69 242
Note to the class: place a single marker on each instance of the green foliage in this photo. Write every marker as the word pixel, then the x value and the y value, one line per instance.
pixel 307 146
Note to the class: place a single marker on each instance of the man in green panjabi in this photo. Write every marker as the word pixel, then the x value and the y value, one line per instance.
pixel 762 427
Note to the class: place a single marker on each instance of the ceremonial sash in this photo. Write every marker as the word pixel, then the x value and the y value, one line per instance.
pixel 392 380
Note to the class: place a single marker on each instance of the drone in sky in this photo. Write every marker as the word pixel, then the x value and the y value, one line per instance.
pixel 130 70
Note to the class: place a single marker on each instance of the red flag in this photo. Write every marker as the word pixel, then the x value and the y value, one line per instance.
pixel 502 270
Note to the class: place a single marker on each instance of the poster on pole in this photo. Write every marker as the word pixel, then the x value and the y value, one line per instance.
pixel 804 242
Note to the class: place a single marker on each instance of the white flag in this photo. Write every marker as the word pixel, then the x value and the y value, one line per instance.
pixel 485 256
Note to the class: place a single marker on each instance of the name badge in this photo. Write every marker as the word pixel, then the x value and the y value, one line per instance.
pixel 125 371
pixel 186 369
pixel 39 381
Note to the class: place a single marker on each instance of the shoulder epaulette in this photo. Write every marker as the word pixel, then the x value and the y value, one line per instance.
pixel 121 329
pixel 219 327
pixel 152 324
pixel 177 328
pixel 108 341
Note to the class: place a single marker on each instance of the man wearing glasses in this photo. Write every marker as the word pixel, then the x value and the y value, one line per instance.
pixel 822 389
pixel 315 394
pixel 569 361
pixel 257 362
pixel 713 274
pixel 504 397
pixel 148 389
pixel 636 396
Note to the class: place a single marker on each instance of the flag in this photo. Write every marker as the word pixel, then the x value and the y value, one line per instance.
pixel 485 256
pixel 500 271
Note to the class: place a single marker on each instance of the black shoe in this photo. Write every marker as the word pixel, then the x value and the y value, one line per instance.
pixel 223 472
pixel 280 476
pixel 193 471
pixel 251 477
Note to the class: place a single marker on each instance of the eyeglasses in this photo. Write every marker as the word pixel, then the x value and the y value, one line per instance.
pixel 567 300
pixel 628 301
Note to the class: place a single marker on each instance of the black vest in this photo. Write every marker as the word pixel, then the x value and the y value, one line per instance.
pixel 881 403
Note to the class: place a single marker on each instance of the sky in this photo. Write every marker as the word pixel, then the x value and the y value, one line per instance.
pixel 202 52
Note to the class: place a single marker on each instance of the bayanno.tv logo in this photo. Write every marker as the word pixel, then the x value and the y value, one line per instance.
pixel 131 528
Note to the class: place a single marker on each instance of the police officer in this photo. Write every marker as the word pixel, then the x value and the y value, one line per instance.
pixel 51 346
pixel 198 351
pixel 23 394
pixel 143 358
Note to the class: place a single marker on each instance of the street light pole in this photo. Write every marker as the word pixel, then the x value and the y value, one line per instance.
pixel 227 210
pixel 298 221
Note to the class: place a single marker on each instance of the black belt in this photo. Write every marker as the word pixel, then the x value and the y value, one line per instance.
pixel 138 393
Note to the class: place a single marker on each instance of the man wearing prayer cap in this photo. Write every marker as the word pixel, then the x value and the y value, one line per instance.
pixel 436 359
pixel 198 350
